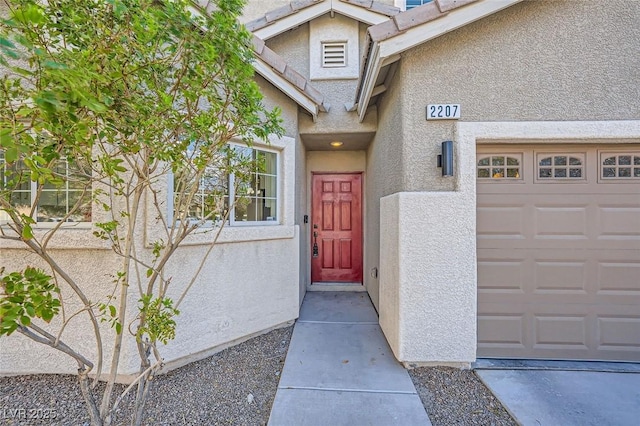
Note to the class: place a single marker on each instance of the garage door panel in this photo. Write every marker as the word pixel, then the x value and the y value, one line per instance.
pixel 561 222
pixel 560 277
pixel 619 278
pixel 501 222
pixel 501 331
pixel 501 275
pixel 559 265
pixel 560 332
pixel 618 333
pixel 619 222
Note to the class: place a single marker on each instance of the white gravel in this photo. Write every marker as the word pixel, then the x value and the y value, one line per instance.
pixel 235 387
pixel 457 397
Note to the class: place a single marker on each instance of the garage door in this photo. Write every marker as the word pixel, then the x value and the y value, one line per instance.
pixel 559 251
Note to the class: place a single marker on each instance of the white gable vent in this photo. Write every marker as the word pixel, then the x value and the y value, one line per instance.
pixel 334 54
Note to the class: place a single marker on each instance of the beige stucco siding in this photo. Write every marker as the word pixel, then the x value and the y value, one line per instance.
pixel 384 177
pixel 290 116
pixel 538 60
pixel 90 268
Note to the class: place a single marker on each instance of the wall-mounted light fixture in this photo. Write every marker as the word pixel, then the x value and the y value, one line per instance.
pixel 445 160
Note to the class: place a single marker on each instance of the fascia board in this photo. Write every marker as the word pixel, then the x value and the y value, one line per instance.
pixel 358 13
pixel 453 20
pixel 294 20
pixel 371 74
pixel 285 86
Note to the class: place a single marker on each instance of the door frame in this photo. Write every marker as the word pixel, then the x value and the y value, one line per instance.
pixel 330 286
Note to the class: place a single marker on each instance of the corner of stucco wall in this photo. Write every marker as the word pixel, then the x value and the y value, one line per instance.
pixel 433 285
pixel 389 274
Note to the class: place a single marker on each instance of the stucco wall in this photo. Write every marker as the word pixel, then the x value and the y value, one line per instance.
pixel 90 269
pixel 428 273
pixel 384 177
pixel 249 284
pixel 537 60
pixel 293 46
pixel 301 210
pixel 290 113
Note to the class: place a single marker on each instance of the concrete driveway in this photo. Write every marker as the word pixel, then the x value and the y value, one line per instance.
pixel 572 393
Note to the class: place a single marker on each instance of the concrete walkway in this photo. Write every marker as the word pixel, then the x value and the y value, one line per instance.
pixel 340 370
pixel 580 398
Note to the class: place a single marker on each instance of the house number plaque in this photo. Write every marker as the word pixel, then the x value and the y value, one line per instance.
pixel 443 111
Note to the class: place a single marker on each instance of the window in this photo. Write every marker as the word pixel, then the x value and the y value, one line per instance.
pixel 619 165
pixel 560 166
pixel 257 194
pixel 255 190
pixel 410 4
pixel 68 198
pixel 334 54
pixel 500 166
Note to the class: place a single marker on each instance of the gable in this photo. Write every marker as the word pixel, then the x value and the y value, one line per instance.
pixel 297 13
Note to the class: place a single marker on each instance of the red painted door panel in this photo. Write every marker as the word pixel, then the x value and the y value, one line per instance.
pixel 336 228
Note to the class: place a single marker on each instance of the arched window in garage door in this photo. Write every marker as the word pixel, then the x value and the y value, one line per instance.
pixel 619 166
pixel 560 166
pixel 500 166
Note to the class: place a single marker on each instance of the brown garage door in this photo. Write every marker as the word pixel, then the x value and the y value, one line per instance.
pixel 559 251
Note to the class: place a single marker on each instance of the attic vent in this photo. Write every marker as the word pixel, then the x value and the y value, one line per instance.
pixel 334 54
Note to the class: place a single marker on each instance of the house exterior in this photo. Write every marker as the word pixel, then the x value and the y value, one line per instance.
pixel 531 249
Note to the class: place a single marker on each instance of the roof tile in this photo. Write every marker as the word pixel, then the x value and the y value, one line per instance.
pixel 416 16
pixel 256 24
pixel 301 4
pixel 447 5
pixel 279 13
pixel 362 3
pixel 384 9
pixel 295 78
pixel 258 45
pixel 274 60
pixel 383 31
pixel 314 94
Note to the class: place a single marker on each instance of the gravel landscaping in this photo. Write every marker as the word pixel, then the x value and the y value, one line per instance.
pixel 457 397
pixel 233 387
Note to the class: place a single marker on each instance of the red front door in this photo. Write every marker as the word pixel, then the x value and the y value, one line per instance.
pixel 336 228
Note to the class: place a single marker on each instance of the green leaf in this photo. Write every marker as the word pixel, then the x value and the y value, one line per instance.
pixel 30 311
pixel 7 43
pixel 27 232
pixel 149 272
pixel 54 65
pixel 11 154
pixel 25 320
pixel 112 310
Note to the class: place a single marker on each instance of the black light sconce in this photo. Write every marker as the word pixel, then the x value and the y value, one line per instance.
pixel 445 160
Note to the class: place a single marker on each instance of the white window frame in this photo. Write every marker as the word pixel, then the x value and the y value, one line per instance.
pixel 33 189
pixel 276 221
pixel 231 221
